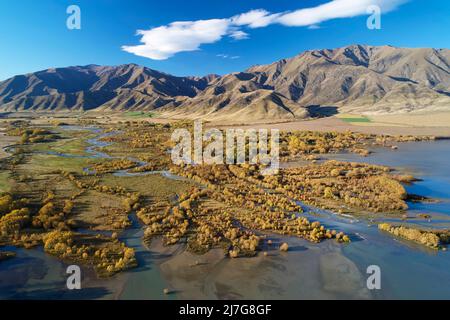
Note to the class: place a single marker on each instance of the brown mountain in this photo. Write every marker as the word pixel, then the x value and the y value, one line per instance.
pixel 357 79
pixel 125 87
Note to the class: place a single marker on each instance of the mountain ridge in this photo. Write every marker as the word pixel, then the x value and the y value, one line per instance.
pixel 356 78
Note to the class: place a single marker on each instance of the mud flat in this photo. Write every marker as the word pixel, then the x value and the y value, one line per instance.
pixel 304 272
pixel 409 126
pixel 432 124
pixel 429 119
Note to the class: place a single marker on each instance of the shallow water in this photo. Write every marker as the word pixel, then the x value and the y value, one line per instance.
pixel 33 274
pixel 427 161
pixel 307 271
pixel 408 270
pixel 145 281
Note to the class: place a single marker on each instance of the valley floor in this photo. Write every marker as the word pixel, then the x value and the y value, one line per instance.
pixel 432 124
pixel 109 185
pixel 418 124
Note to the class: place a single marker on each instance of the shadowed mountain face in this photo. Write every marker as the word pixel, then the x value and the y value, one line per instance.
pixel 364 79
pixel 357 79
pixel 125 87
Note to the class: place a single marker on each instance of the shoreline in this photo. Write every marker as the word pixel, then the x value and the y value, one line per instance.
pixel 304 271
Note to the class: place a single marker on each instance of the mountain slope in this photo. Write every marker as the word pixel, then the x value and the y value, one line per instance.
pixel 90 87
pixel 238 96
pixel 363 78
pixel 356 78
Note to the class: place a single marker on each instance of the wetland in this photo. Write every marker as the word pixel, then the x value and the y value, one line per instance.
pixel 108 198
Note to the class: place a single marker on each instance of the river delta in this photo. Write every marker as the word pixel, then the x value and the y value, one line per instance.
pixel 108 198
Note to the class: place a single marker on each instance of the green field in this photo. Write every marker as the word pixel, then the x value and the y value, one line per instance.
pixel 355 118
pixel 139 114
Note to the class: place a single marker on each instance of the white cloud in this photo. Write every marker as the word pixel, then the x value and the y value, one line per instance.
pixel 255 18
pixel 333 10
pixel 163 42
pixel 226 56
pixel 238 35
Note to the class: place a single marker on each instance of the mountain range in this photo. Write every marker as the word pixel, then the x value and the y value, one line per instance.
pixel 355 79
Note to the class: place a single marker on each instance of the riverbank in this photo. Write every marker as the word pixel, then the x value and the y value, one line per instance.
pixel 6 141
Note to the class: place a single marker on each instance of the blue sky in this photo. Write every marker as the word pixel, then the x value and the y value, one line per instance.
pixel 34 35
